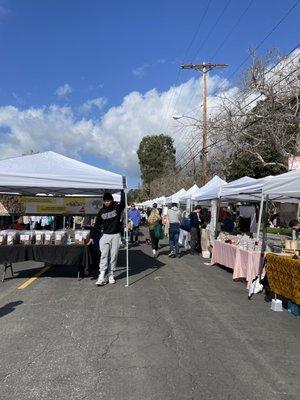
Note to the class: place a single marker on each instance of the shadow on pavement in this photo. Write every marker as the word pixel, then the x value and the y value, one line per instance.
pixel 9 307
pixel 139 262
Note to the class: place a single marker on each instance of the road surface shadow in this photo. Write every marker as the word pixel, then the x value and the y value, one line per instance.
pixel 9 308
pixel 139 262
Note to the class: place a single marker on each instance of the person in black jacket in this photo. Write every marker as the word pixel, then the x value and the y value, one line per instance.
pixel 109 219
pixel 195 222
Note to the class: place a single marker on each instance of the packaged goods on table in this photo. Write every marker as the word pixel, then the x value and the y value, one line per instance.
pixel 13 237
pixel 27 237
pixel 242 241
pixel 39 237
pixel 3 238
pixel 49 237
pixel 82 237
pixel 60 237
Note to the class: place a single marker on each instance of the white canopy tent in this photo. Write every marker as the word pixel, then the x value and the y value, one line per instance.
pixel 175 197
pixel 235 189
pixel 282 186
pixel 213 185
pixel 187 196
pixel 55 174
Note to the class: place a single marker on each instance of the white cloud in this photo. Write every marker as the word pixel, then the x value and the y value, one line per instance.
pixel 63 90
pixel 140 72
pixel 115 136
pixel 98 102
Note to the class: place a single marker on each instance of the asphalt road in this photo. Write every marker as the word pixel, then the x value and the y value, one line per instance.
pixel 182 330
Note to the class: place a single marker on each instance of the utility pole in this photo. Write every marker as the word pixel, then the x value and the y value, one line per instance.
pixel 204 68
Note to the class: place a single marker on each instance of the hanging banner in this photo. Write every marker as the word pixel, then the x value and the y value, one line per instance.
pixel 40 205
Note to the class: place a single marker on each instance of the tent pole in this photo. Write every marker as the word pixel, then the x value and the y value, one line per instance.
pixel 127 241
pixel 260 216
pixel 264 242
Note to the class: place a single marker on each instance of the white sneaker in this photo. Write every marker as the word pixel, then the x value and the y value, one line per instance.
pixel 111 280
pixel 101 280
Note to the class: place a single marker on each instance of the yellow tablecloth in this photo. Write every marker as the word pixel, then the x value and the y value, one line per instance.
pixel 283 274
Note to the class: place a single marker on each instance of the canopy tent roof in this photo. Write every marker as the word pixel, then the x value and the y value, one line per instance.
pixel 188 193
pixel 250 189
pixel 284 185
pixel 235 189
pixel 53 173
pixel 175 197
pixel 209 189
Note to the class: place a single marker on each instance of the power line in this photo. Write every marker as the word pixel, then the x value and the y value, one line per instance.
pixel 183 59
pixel 267 36
pixel 261 42
pixel 266 72
pixel 233 28
pixel 245 127
pixel 285 77
pixel 212 29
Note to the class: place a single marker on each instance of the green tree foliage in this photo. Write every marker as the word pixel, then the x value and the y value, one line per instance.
pixel 156 157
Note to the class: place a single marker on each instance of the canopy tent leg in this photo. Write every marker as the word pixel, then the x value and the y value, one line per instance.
pixel 264 240
pixel 260 216
pixel 127 241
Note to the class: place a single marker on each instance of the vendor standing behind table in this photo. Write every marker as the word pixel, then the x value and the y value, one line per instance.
pixel 196 222
pixel 109 219
pixel 174 219
pixel 228 223
pixel 154 219
pixel 134 216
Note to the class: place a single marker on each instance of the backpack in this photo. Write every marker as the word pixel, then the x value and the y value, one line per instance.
pixel 186 224
pixel 153 218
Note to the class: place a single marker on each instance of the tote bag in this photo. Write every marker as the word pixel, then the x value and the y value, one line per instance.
pixel 158 232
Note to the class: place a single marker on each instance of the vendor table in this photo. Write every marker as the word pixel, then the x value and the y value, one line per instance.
pixel 244 263
pixel 71 255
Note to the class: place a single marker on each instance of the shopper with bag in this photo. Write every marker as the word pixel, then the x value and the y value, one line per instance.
pixel 174 217
pixel 109 220
pixel 155 229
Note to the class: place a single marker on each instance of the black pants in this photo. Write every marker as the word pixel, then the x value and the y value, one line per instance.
pixel 195 240
pixel 134 233
pixel 154 240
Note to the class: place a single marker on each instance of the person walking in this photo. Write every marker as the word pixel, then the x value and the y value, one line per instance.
pixel 109 219
pixel 174 218
pixel 134 216
pixel 153 220
pixel 195 222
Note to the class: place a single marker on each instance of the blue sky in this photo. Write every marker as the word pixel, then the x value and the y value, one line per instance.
pixel 89 78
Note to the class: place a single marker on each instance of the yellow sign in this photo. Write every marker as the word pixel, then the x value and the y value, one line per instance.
pixel 46 205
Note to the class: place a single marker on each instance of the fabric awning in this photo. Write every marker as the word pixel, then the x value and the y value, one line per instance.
pixel 53 173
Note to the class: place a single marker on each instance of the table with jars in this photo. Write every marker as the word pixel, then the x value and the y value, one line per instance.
pixel 240 253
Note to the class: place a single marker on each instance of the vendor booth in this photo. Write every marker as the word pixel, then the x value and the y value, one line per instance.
pixel 175 197
pixel 52 184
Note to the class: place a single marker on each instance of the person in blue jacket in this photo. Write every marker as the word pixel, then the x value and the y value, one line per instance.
pixel 134 216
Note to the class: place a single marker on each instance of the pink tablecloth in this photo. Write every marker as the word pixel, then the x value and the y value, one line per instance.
pixel 245 263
